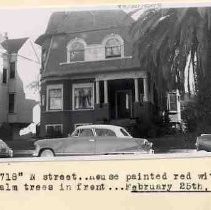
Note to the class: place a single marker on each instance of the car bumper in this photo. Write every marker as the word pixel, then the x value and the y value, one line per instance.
pixel 6 154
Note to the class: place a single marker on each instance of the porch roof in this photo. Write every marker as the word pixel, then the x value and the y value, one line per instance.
pixel 94 67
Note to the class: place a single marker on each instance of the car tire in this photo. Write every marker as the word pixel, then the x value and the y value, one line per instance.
pixel 46 153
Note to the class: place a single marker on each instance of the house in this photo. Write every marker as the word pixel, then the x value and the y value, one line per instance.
pixel 91 73
pixel 19 68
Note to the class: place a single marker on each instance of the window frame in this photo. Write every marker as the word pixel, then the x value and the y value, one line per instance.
pixel 169 102
pixel 69 45
pixel 50 87
pixel 4 76
pixel 83 85
pixel 12 73
pixel 54 125
pixel 119 38
pixel 14 99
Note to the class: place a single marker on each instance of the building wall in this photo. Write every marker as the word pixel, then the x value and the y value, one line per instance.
pixel 3 91
pixel 27 72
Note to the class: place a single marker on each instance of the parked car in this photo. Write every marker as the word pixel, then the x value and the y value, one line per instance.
pixel 93 140
pixel 203 142
pixel 5 151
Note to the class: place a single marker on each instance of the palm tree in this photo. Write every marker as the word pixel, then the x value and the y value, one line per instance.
pixel 167 36
pixel 172 41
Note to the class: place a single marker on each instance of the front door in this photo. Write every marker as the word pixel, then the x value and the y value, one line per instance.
pixel 124 104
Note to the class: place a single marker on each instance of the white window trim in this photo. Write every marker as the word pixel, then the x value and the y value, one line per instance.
pixel 115 36
pixel 69 44
pixel 177 101
pixel 49 87
pixel 54 125
pixel 81 85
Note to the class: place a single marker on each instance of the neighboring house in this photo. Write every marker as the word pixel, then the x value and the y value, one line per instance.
pixel 19 68
pixel 91 73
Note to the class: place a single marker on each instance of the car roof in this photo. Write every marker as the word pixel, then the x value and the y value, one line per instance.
pixel 113 127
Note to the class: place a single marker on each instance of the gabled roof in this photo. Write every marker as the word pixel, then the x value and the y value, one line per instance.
pixel 13 45
pixel 82 21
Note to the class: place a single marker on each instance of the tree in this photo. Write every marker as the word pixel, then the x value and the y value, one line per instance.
pixel 166 38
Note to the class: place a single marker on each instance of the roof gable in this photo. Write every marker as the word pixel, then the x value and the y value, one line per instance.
pixel 13 45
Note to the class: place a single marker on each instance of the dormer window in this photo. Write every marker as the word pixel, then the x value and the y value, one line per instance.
pixel 76 50
pixel 114 46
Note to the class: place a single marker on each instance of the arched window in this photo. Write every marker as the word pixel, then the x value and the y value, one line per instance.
pixel 114 46
pixel 76 50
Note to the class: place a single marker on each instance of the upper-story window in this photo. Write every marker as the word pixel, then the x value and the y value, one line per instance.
pixel 12 70
pixel 114 46
pixel 76 50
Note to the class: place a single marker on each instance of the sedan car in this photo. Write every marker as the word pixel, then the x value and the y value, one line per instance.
pixel 93 140
pixel 5 151
pixel 203 142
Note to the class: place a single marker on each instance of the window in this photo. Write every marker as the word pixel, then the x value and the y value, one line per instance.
pixel 172 102
pixel 76 50
pixel 83 96
pixel 54 130
pixel 113 48
pixel 104 132
pixel 12 70
pixel 55 97
pixel 4 77
pixel 83 132
pixel 11 103
pixel 124 132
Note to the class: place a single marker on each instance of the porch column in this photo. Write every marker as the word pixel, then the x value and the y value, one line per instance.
pixel 146 90
pixel 136 89
pixel 97 93
pixel 105 91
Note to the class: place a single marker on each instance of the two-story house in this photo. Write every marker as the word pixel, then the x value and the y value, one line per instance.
pixel 19 68
pixel 91 73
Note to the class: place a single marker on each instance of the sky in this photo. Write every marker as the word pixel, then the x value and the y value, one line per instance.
pixel 30 22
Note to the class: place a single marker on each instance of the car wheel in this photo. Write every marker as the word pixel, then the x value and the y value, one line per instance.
pixel 47 153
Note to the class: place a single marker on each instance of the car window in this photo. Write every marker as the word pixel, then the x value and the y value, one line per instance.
pixel 75 133
pixel 85 132
pixel 104 132
pixel 124 132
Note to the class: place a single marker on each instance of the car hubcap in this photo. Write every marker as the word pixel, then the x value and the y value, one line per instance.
pixel 47 153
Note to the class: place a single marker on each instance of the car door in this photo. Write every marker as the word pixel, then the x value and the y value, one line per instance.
pixel 82 143
pixel 110 144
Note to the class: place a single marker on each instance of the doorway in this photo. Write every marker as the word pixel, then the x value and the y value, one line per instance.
pixel 123 99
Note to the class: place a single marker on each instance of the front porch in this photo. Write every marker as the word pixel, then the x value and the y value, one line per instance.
pixel 120 98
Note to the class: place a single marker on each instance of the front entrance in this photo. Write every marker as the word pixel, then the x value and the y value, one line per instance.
pixel 123 104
